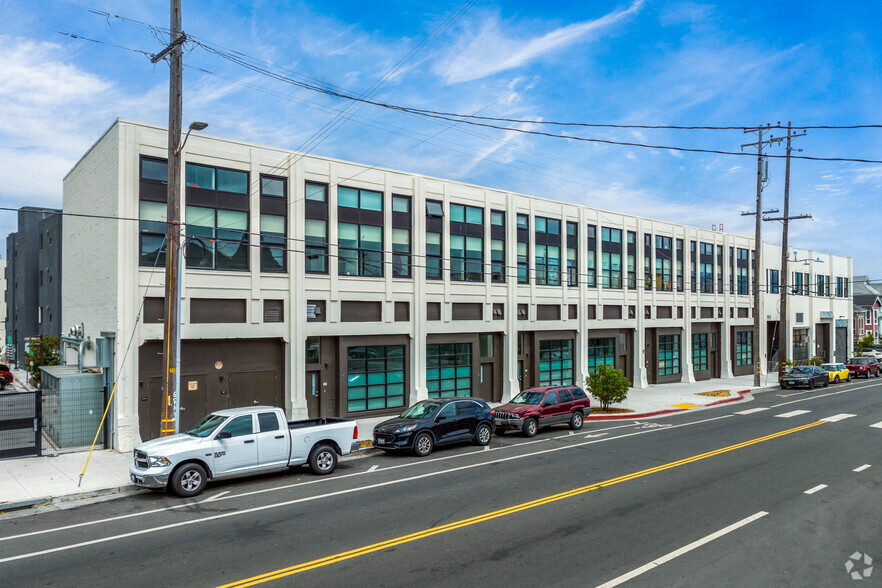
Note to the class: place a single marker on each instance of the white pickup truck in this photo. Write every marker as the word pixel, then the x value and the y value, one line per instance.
pixel 238 442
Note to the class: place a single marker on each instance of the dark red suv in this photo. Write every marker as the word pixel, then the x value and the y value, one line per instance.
pixel 541 407
pixel 863 366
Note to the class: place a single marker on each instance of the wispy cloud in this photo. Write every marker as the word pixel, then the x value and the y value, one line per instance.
pixel 490 50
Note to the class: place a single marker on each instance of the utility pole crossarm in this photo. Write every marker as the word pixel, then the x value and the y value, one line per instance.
pixel 156 58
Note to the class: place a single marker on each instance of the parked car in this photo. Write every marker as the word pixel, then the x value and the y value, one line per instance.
pixel 805 375
pixel 435 422
pixel 863 366
pixel 5 376
pixel 837 372
pixel 541 407
pixel 238 442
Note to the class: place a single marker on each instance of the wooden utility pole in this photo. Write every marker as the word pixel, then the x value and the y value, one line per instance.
pixel 171 341
pixel 783 328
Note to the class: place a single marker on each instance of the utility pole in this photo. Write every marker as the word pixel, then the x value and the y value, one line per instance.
pixel 171 342
pixel 783 329
pixel 757 244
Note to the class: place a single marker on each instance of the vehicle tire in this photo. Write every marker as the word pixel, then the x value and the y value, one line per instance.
pixel 576 421
pixel 189 480
pixel 826 382
pixel 483 434
pixel 2 384
pixel 848 377
pixel 323 460
pixel 530 427
pixel 836 379
pixel 783 386
pixel 423 445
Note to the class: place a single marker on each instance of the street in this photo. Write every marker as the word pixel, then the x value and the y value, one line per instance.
pixel 778 491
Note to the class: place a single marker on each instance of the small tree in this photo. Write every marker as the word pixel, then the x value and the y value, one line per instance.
pixel 607 384
pixel 865 343
pixel 815 360
pixel 43 351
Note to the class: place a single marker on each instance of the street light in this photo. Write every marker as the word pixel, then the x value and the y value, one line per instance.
pixel 194 126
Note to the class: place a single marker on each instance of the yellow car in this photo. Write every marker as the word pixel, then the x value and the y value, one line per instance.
pixel 837 372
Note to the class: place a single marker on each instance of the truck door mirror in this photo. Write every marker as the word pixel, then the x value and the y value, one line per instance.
pixel 223 435
pixel 440 418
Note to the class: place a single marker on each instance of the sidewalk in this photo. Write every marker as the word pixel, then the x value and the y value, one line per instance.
pixel 52 479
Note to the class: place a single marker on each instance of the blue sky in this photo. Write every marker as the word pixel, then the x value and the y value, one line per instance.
pixel 624 62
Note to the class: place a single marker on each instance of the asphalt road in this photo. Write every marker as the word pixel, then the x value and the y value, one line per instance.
pixel 779 491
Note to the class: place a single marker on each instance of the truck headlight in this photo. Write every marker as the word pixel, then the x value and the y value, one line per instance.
pixel 405 428
pixel 158 462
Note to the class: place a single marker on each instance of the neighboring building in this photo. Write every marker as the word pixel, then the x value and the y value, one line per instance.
pixel 4 344
pixel 868 298
pixel 33 285
pixel 334 288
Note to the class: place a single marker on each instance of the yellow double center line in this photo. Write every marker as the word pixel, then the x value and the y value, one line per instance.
pixel 332 559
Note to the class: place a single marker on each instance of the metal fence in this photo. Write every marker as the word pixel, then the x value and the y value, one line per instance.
pixel 20 424
pixel 73 404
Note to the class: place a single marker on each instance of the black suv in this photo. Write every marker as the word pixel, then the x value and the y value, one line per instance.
pixel 437 421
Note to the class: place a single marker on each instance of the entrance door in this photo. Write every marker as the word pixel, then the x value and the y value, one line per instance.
pixel 314 394
pixel 521 374
pixel 485 382
pixel 650 360
pixel 713 354
pixel 255 388
pixel 841 334
pixel 194 400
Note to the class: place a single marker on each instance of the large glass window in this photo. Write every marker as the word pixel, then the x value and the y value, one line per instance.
pixel 663 264
pixel 556 362
pixel 668 355
pixel 433 256
pixel 547 251
pixel 647 261
pixel 572 254
pixel 706 268
pixel 523 245
pixel 611 258
pixel 497 246
pixel 217 239
pixel 591 257
pixel 632 260
pixel 316 246
pixel 742 262
pixel 699 352
pixel 212 178
pixel 152 228
pixel 773 282
pixel 449 369
pixel 375 377
pixel 466 243
pixel 401 253
pixel 273 252
pixel 601 351
pixel 743 348
pixel 360 250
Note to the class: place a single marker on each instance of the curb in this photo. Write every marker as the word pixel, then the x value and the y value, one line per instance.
pixel 65 498
pixel 633 415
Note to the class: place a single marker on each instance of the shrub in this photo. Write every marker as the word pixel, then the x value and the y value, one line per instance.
pixel 608 385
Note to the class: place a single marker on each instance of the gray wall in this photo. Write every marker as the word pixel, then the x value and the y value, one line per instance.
pixel 50 268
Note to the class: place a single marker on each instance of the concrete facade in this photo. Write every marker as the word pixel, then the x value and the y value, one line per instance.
pixel 519 327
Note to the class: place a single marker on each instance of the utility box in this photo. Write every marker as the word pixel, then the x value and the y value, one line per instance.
pixel 73 404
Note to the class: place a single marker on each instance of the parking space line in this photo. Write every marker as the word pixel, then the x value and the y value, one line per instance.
pixel 838 417
pixel 862 468
pixel 753 410
pixel 877 425
pixel 792 413
pixel 817 488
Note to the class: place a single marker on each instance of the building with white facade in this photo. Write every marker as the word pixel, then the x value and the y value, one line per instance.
pixel 334 288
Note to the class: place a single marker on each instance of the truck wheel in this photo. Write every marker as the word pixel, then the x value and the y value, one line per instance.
pixel 422 445
pixel 576 421
pixel 189 480
pixel 530 427
pixel 323 460
pixel 483 434
pixel 836 379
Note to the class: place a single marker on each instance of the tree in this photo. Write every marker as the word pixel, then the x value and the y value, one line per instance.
pixel 607 384
pixel 42 351
pixel 865 343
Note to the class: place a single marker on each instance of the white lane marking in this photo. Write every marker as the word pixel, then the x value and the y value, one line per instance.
pixel 753 410
pixel 877 425
pixel 862 468
pixel 373 468
pixel 817 488
pixel 486 448
pixel 816 396
pixel 792 413
pixel 838 417
pixel 571 433
pixel 308 498
pixel 594 435
pixel 685 549
pixel 215 497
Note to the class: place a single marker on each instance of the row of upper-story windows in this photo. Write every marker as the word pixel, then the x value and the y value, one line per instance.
pixel 217 221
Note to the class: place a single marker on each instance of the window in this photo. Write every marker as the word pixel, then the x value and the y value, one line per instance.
pixel 706 268
pixel 401 244
pixel 719 269
pixel 611 258
pixel 742 271
pixel 601 351
pixel 434 244
pixel 268 421
pixel 216 178
pixel 449 369
pixel 360 250
pixel 743 348
pixel 154 170
pixel 773 282
pixel 693 257
pixel 572 254
pixel 556 362
pixel 523 235
pixel 632 260
pixel 152 228
pixel 821 281
pixel 731 270
pixel 841 287
pixel 273 224
pixel 591 257
pixel 313 350
pixel 497 246
pixel 466 243
pixel 218 239
pixel 647 261
pixel 668 355
pixel 699 352
pixel 316 229
pixel 240 426
pixel 663 264
pixel 547 251
pixel 375 377
pixel 680 284
pixel 486 343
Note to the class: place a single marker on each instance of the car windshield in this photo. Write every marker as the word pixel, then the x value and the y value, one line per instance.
pixel 527 397
pixel 858 360
pixel 830 367
pixel 206 426
pixel 420 410
pixel 802 370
